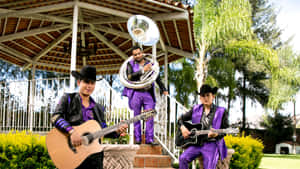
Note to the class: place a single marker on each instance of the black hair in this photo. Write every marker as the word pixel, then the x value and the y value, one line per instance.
pixel 135 48
pixel 86 80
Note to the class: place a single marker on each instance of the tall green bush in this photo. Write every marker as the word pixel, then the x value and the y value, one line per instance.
pixel 23 150
pixel 248 152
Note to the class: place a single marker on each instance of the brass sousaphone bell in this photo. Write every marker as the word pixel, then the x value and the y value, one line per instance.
pixel 145 32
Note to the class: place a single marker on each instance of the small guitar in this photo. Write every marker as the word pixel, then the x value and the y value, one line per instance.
pixel 66 156
pixel 196 133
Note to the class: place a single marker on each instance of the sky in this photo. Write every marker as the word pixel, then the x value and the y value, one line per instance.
pixel 288 20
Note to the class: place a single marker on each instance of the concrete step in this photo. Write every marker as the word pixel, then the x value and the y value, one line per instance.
pixel 149 149
pixel 150 160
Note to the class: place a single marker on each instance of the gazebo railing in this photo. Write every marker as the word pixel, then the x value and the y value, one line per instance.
pixel 29 104
pixel 166 123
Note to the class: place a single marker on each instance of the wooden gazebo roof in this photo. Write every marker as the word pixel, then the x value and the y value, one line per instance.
pixel 39 31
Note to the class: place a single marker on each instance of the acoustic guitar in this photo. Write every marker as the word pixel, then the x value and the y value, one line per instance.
pixel 66 156
pixel 197 135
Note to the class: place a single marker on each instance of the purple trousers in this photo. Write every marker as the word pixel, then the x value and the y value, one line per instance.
pixel 209 152
pixel 145 100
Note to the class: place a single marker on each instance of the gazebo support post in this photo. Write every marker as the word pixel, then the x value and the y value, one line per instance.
pixel 31 101
pixel 74 45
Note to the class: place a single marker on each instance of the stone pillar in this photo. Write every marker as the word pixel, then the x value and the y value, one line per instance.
pixel 119 156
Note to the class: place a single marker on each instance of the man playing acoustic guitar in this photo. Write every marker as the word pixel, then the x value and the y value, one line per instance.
pixel 210 117
pixel 74 109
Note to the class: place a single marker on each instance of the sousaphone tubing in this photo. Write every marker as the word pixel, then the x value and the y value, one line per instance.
pixel 145 32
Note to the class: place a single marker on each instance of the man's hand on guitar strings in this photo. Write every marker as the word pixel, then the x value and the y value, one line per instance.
pixel 75 138
pixel 185 132
pixel 212 134
pixel 122 130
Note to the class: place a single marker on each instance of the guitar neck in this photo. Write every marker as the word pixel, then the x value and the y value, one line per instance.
pixel 111 129
pixel 203 132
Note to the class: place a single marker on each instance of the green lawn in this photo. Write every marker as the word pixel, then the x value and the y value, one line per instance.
pixel 275 161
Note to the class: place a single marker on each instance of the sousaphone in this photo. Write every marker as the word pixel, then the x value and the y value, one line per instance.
pixel 145 32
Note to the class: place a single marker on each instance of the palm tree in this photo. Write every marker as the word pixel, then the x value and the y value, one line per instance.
pixel 224 28
pixel 181 75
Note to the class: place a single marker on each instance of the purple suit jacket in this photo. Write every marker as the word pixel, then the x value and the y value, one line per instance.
pixel 216 124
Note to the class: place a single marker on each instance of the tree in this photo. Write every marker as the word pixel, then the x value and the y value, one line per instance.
pixel 233 40
pixel 278 128
pixel 229 20
pixel 265 24
pixel 287 83
pixel 181 75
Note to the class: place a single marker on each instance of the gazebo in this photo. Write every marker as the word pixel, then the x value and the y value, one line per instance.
pixel 64 35
pixel 45 34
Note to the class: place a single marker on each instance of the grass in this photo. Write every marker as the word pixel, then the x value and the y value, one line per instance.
pixel 279 161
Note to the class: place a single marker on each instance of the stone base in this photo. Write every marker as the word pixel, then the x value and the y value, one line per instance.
pixel 119 156
pixel 221 164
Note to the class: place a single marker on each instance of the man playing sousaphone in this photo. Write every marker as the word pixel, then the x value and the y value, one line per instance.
pixel 143 97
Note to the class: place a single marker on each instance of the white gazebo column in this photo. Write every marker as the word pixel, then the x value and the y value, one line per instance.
pixel 131 131
pixel 74 46
pixel 154 52
pixel 166 68
pixel 32 95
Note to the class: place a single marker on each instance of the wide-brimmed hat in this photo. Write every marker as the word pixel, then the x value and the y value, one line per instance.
pixel 87 72
pixel 207 89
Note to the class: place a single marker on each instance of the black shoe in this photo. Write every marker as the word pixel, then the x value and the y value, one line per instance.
pixel 152 143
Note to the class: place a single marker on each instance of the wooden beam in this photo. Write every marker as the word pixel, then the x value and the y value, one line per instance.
pixel 12 56
pixel 29 25
pixel 127 36
pixel 15 53
pixel 104 10
pixel 113 67
pixel 4 26
pixel 163 45
pixel 20 4
pixel 109 44
pixel 32 32
pixel 155 17
pixel 177 34
pixel 41 9
pixel 49 47
pixel 165 5
pixel 149 6
pixel 18 23
pixel 23 47
pixel 190 35
pixel 121 6
pixel 165 32
pixel 40 16
pixel 178 51
pixel 33 44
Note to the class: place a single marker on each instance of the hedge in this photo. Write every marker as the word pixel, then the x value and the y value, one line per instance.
pixel 23 150
pixel 248 152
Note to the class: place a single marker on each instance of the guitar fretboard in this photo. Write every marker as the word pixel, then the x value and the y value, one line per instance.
pixel 111 129
pixel 219 131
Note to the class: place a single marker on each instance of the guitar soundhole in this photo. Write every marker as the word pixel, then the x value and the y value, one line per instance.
pixel 89 137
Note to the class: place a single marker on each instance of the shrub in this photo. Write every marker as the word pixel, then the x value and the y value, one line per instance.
pixel 248 152
pixel 24 150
